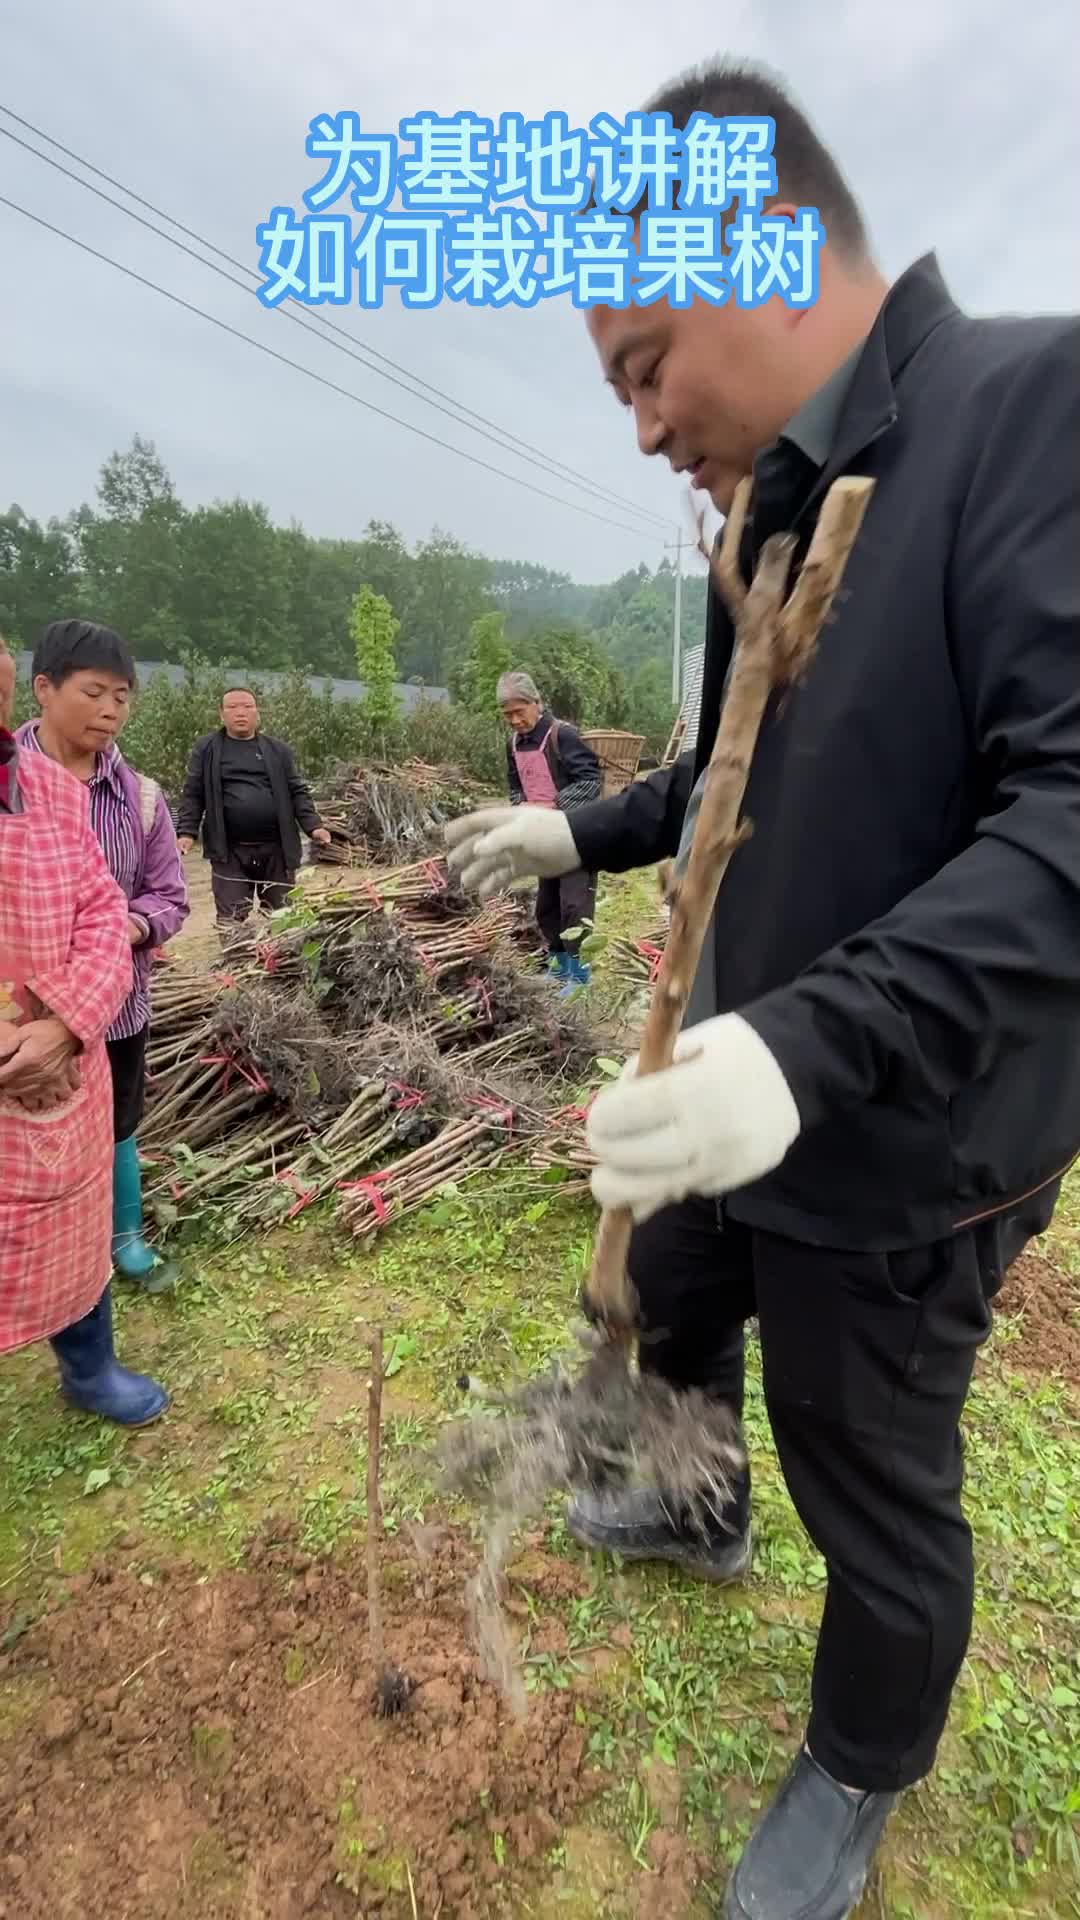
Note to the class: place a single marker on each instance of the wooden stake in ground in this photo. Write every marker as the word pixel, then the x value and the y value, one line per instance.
pixel 392 1687
pixel 775 641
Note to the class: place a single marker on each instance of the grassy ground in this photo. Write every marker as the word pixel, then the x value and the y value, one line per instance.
pixel 264 1352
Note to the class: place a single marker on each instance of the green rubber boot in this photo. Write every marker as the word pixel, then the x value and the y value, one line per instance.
pixel 133 1258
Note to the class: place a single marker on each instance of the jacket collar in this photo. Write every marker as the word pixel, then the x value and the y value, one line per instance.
pixel 915 305
pixel 536 733
pixel 108 761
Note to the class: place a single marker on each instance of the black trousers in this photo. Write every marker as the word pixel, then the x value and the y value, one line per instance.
pixel 565 903
pixel 251 873
pixel 127 1064
pixel 866 1361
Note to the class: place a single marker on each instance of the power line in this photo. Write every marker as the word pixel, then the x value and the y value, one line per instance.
pixel 351 352
pixel 332 333
pixel 332 386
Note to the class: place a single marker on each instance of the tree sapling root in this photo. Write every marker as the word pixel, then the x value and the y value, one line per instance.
pixel 392 1686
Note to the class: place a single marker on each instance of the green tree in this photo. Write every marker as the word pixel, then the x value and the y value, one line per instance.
pixel 475 676
pixel 637 614
pixel 320 730
pixel 38 575
pixel 383 562
pixel 533 597
pixel 449 593
pixel 233 595
pixel 650 710
pixel 574 673
pixel 611 599
pixel 321 578
pixel 129 546
pixel 374 631
pixel 642 627
pixel 227 582
pixel 131 484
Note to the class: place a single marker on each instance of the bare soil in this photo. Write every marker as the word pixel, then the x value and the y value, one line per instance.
pixel 206 1745
pixel 1043 1302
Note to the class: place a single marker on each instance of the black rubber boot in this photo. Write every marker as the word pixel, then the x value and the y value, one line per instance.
pixel 809 1856
pixel 637 1524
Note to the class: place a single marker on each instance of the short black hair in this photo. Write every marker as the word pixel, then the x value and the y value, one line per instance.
pixel 81 646
pixel 229 690
pixel 805 169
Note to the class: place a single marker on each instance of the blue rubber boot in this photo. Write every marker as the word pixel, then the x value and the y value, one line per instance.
pixel 559 966
pixel 133 1259
pixel 578 976
pixel 92 1379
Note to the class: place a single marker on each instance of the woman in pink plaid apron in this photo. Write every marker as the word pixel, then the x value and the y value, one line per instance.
pixel 548 764
pixel 65 970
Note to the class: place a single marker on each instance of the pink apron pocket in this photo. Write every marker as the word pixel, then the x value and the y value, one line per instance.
pixel 46 1156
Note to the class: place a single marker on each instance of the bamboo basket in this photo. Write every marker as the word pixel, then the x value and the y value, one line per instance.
pixel 618 754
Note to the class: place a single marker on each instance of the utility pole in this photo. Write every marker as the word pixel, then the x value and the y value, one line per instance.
pixel 676 635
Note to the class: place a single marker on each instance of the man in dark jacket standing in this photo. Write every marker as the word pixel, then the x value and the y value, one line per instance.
pixel 880 1088
pixel 243 789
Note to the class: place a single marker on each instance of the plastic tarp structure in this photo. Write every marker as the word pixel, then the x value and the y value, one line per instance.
pixel 685 731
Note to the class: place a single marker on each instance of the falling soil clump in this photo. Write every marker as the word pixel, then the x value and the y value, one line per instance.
pixel 572 1432
pixel 211 1748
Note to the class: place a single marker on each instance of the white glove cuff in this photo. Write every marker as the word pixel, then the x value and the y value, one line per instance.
pixel 752 1065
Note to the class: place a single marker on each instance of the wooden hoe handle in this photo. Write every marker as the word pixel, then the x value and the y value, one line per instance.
pixel 775 640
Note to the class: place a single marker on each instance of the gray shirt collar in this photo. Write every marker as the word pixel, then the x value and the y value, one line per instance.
pixel 813 428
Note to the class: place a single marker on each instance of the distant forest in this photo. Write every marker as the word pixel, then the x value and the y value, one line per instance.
pixel 225 584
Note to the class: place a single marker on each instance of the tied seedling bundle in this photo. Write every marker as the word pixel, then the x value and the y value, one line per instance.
pixel 379 814
pixel 370 1048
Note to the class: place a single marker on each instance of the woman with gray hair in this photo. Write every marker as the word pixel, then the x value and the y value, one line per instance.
pixel 549 765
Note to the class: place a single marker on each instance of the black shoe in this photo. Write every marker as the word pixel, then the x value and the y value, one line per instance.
pixel 809 1855
pixel 636 1524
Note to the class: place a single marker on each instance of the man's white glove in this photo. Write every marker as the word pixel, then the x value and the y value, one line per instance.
pixel 500 844
pixel 720 1118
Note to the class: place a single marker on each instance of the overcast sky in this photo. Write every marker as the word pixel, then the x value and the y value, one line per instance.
pixel 955 120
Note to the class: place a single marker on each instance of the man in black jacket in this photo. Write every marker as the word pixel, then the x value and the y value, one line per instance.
pixel 880 1088
pixel 243 789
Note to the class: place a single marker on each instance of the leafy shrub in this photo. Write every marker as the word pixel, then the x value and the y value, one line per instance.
pixel 166 720
pixel 452 736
